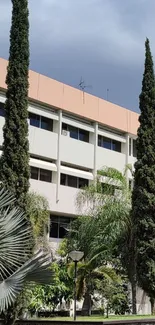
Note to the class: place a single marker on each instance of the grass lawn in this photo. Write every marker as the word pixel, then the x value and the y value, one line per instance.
pixel 102 318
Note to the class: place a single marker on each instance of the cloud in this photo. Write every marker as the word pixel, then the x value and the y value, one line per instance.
pixel 105 28
pixel 103 40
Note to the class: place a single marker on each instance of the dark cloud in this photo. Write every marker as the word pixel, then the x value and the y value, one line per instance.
pixel 101 40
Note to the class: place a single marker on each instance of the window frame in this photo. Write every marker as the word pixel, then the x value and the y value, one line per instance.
pixel 68 127
pixel 39 173
pixel 58 222
pixel 2 110
pixel 102 140
pixel 40 117
pixel 77 181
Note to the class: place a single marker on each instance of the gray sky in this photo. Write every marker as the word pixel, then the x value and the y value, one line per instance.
pixel 101 40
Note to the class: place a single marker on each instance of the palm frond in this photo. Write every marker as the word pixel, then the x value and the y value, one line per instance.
pixel 35 270
pixel 15 235
pixel 6 198
pixel 109 273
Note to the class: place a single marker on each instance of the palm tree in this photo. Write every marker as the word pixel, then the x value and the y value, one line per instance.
pixel 92 268
pixel 17 267
pixel 107 217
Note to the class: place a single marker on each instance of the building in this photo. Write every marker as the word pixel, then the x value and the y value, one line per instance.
pixel 72 134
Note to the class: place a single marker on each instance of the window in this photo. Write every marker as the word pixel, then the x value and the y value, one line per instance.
pixel 63 180
pixel 34 172
pixel 116 146
pixel 34 120
pixel 41 122
pixel 134 149
pixel 76 133
pixel 45 175
pixel 2 111
pixel 41 174
pixel 73 132
pixel 106 143
pixel 83 135
pixel 59 226
pixel 130 147
pixel 46 123
pixel 109 143
pixel 73 181
pixel 83 182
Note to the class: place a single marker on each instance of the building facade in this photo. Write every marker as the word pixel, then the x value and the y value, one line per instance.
pixel 72 134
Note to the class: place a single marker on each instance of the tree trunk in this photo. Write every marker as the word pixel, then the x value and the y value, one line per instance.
pixel 107 311
pixel 152 301
pixel 133 270
pixel 86 308
pixel 134 294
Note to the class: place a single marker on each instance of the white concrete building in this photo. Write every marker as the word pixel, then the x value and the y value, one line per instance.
pixel 72 134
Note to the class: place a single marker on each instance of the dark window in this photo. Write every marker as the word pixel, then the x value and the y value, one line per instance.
pixel 45 175
pixel 72 181
pixel 34 172
pixel 83 135
pixel 63 180
pixel 59 226
pixel 62 230
pixel 64 127
pixel 130 146
pixel 83 182
pixel 134 149
pixel 54 229
pixel 76 133
pixel 34 120
pixel 116 146
pixel 106 143
pixel 2 111
pixel 46 123
pixel 73 132
pixel 110 144
pixel 99 141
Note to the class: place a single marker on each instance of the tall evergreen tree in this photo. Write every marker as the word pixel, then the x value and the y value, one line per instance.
pixel 143 198
pixel 14 167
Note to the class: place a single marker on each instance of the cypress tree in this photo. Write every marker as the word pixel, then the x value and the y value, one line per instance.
pixel 14 169
pixel 143 198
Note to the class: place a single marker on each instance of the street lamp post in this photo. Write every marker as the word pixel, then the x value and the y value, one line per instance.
pixel 76 256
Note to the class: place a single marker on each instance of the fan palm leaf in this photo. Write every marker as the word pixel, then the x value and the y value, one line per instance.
pixel 35 270
pixel 16 268
pixel 15 237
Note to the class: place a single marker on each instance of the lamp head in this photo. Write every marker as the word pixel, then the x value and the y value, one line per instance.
pixel 76 256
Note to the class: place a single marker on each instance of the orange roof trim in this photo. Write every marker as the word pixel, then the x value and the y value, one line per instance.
pixel 53 93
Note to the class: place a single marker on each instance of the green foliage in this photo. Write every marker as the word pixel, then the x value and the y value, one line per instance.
pixel 16 268
pixel 107 219
pixel 48 297
pixel 110 186
pixel 38 211
pixel 14 167
pixel 116 295
pixel 143 198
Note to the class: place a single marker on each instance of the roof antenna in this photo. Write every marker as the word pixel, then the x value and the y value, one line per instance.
pixel 107 94
pixel 82 87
